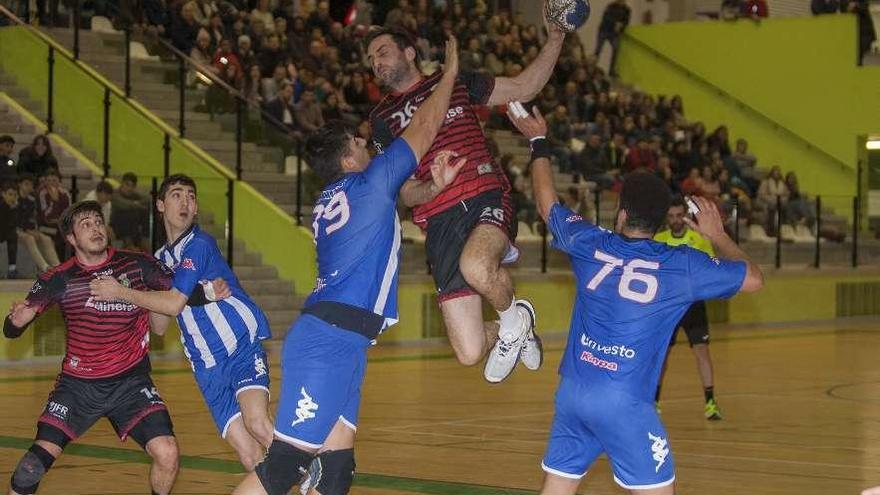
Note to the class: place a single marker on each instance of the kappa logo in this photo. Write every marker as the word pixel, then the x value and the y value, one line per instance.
pixel 305 408
pixel 259 366
pixel 36 288
pixel 484 168
pixel 574 218
pixel 659 449
pixel 187 264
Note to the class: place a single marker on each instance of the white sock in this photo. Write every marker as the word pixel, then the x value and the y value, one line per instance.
pixel 12 267
pixel 510 318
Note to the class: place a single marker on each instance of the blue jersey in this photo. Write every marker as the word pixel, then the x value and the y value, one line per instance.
pixel 630 295
pixel 212 332
pixel 357 234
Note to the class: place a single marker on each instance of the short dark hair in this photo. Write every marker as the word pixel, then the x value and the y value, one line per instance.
pixel 51 171
pixel 76 211
pixel 130 177
pixel 326 147
pixel 7 185
pixel 104 187
pixel 26 176
pixel 677 200
pixel 402 38
pixel 6 138
pixel 171 180
pixel 645 198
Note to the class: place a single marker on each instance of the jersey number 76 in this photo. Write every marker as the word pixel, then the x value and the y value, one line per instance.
pixel 625 287
pixel 336 212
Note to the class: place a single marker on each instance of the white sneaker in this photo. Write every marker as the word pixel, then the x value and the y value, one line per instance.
pixel 532 352
pixel 504 356
pixel 511 255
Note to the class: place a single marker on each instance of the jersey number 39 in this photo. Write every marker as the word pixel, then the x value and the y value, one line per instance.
pixel 336 212
pixel 625 287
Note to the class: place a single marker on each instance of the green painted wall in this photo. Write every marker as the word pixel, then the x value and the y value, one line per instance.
pixel 799 72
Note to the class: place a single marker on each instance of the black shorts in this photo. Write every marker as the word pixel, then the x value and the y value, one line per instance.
pixel 449 230
pixel 695 323
pixel 75 404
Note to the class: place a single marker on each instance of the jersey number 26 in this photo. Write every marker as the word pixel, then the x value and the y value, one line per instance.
pixel 336 212
pixel 625 287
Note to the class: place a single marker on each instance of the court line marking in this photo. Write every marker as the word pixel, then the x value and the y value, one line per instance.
pixel 366 480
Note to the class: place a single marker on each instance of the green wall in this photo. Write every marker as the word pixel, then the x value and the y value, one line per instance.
pixel 800 73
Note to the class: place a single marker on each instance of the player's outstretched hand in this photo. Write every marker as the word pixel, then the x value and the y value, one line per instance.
pixel 443 171
pixel 21 313
pixel 451 65
pixel 105 289
pixel 553 30
pixel 221 290
pixel 530 125
pixel 708 220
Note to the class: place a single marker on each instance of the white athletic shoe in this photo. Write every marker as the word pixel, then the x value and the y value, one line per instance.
pixel 511 255
pixel 532 352
pixel 504 356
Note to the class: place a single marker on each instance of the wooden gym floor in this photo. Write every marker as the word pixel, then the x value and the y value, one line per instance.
pixel 801 416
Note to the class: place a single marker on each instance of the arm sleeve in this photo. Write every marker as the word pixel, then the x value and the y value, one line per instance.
pixel 193 266
pixel 571 233
pixel 46 291
pixel 479 86
pixel 392 168
pixel 382 135
pixel 156 275
pixel 712 278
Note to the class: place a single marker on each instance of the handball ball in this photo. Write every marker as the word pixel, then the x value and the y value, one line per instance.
pixel 569 15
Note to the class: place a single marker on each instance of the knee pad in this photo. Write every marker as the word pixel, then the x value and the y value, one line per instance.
pixel 283 467
pixel 31 469
pixel 332 472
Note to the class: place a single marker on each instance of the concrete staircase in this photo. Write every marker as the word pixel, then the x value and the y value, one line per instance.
pixel 154 85
pixel 275 296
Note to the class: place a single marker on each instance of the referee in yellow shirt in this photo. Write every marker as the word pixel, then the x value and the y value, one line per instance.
pixel 695 322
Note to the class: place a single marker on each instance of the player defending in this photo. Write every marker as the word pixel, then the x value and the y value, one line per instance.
pixel 355 298
pixel 469 225
pixel 106 368
pixel 695 322
pixel 631 292
pixel 222 336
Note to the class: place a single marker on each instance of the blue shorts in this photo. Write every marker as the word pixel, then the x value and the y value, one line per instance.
pixel 247 368
pixel 322 369
pixel 590 420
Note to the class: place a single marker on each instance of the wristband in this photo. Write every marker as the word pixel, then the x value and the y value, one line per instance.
pixel 540 148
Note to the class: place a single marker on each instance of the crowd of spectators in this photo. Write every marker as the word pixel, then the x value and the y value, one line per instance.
pixel 33 199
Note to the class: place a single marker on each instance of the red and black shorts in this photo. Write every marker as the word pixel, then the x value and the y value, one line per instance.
pixel 448 231
pixel 130 402
pixel 695 324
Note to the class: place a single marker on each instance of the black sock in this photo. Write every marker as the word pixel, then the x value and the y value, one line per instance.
pixel 709 392
pixel 657 395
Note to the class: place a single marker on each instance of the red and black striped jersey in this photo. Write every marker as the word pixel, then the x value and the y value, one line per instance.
pixel 104 339
pixel 461 132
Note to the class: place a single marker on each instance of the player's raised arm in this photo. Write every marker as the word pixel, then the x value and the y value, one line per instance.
pixel 708 223
pixel 430 116
pixel 532 80
pixel 166 302
pixel 534 128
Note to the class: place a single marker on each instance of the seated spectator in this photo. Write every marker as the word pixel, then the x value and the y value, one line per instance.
pixel 320 18
pixel 252 85
pixel 281 31
pixel 8 169
pixel 335 108
pixel 755 9
pixel 204 11
pixel 772 187
pixel 103 194
pixel 559 134
pixel 52 200
pixel 218 99
pixel 9 224
pixel 131 213
pixel 263 14
pixel 664 172
pixel 710 187
pixel 824 6
pixel 308 112
pixel 156 20
pixel 730 9
pixel 283 131
pixel 201 55
pixel 578 200
pixel 245 52
pixel 272 85
pixel 185 28
pixel 799 210
pixel 617 150
pixel 594 164
pixel 314 61
pixel 720 141
pixel 356 93
pixel 226 56
pixel 471 58
pixel 271 55
pixel 38 244
pixel 37 158
pixel 690 186
pixel 640 158
pixel 215 29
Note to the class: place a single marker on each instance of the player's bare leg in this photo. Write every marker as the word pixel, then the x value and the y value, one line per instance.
pixel 339 445
pixel 470 336
pixel 249 450
pixel 163 471
pixel 557 485
pixel 30 470
pixel 480 264
pixel 704 363
pixel 254 404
